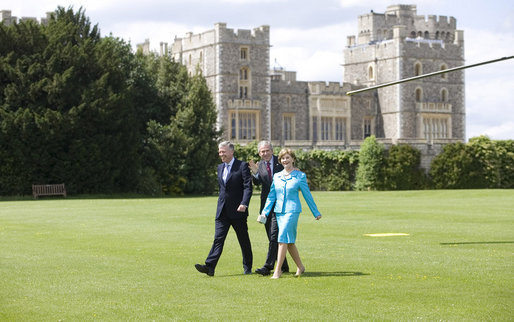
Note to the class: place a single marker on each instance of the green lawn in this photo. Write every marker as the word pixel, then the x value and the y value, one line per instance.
pixel 133 259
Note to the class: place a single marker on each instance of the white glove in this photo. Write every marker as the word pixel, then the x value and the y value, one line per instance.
pixel 262 219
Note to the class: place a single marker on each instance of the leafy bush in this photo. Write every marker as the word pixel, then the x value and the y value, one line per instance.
pixel 482 163
pixel 371 164
pixel 402 169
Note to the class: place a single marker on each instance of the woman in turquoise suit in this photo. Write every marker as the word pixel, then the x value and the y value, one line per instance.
pixel 284 194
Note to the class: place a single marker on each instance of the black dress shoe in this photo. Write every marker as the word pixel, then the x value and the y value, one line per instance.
pixel 204 269
pixel 285 270
pixel 248 271
pixel 263 271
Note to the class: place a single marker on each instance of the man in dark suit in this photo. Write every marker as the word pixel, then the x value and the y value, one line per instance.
pixel 263 175
pixel 235 185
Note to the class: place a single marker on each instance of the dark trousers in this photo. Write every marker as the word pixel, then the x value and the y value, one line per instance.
pixel 223 225
pixel 272 232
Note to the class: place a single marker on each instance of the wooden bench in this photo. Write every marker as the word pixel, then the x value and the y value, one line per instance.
pixel 48 190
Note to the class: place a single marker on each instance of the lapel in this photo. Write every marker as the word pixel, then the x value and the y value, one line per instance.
pixel 277 167
pixel 234 167
pixel 282 177
pixel 220 174
pixel 263 172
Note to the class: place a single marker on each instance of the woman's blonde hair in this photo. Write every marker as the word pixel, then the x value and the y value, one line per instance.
pixel 285 151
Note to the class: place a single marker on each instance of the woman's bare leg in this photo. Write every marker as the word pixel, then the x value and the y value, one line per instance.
pixel 281 256
pixel 296 257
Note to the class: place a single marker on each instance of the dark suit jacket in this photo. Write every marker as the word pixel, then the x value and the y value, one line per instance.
pixel 236 191
pixel 264 180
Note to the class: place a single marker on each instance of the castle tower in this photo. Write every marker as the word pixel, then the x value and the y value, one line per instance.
pixel 235 65
pixel 399 44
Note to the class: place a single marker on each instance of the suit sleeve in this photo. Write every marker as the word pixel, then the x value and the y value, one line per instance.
pixel 256 178
pixel 306 192
pixel 270 201
pixel 247 184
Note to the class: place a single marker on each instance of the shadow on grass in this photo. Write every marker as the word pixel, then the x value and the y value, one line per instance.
pixel 343 274
pixel 307 274
pixel 478 243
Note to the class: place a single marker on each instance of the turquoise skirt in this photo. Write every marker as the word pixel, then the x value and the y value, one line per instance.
pixel 287 223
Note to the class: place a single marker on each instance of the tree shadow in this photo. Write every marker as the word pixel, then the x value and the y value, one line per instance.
pixel 342 274
pixel 306 274
pixel 478 243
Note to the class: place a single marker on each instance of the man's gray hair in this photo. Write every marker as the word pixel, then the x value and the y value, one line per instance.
pixel 226 144
pixel 263 143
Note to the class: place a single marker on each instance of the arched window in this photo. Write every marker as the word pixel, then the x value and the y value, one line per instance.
pixel 371 74
pixel 244 73
pixel 419 94
pixel 413 34
pixel 437 35
pixel 190 60
pixel 444 95
pixel 420 34
pixel 443 67
pixel 427 36
pixel 418 69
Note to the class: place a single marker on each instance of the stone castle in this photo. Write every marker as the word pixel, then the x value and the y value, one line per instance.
pixel 256 100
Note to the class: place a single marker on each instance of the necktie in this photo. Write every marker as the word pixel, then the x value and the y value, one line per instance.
pixel 269 169
pixel 225 173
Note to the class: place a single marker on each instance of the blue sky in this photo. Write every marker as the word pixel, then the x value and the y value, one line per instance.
pixel 309 37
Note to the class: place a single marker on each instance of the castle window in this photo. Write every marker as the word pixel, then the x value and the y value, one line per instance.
pixel 288 121
pixel 427 35
pixel 243 125
pixel 367 127
pixel 420 34
pixel 413 34
pixel 444 95
pixel 371 74
pixel 243 73
pixel 244 53
pixel 443 67
pixel 340 128
pixel 326 128
pixel 190 60
pixel 437 35
pixel 418 69
pixel 419 94
pixel 243 92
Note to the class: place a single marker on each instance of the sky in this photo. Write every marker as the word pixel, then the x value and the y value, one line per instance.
pixel 309 37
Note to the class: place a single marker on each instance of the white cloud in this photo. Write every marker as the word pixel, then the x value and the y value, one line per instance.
pixel 136 32
pixel 489 94
pixel 315 54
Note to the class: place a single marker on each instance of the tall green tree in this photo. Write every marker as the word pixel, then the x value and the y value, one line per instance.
pixel 64 94
pixel 371 161
pixel 180 154
pixel 196 118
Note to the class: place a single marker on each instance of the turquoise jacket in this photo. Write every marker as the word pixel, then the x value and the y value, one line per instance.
pixel 284 194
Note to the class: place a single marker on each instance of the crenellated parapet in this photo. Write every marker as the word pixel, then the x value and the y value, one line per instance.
pixel 333 88
pixel 7 18
pixel 242 36
pixel 375 27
